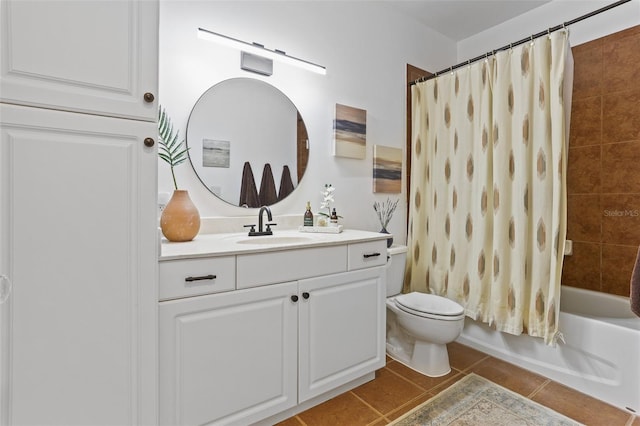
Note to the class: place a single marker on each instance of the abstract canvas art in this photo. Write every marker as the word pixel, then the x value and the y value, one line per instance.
pixel 215 153
pixel 350 132
pixel 387 169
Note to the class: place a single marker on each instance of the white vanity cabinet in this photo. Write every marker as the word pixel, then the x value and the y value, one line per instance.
pixel 282 341
pixel 341 329
pixel 78 212
pixel 228 358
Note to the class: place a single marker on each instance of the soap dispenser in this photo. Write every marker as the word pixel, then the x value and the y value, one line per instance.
pixel 334 218
pixel 308 216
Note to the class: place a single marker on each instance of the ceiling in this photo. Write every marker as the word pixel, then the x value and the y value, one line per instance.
pixel 460 19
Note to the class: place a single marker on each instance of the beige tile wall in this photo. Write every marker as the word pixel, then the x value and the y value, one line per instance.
pixel 603 177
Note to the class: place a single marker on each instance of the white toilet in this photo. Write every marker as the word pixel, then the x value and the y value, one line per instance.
pixel 419 325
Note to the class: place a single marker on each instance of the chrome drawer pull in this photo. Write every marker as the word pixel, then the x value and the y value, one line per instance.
pixel 204 277
pixel 366 256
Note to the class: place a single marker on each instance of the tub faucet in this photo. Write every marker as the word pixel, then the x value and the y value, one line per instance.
pixel 268 231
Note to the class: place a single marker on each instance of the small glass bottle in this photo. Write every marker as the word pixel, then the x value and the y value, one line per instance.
pixel 308 216
pixel 334 218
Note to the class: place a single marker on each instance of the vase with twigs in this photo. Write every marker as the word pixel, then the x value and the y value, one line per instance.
pixel 385 212
pixel 180 220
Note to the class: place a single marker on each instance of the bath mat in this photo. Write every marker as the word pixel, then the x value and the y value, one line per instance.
pixel 477 401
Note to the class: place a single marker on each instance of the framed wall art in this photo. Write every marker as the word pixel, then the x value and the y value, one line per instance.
pixel 350 132
pixel 387 169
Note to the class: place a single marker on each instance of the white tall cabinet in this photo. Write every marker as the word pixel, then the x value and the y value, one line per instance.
pixel 78 245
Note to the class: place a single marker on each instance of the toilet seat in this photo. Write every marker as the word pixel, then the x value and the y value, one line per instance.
pixel 429 306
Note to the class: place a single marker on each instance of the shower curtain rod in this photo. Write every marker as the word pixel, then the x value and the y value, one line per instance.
pixel 524 40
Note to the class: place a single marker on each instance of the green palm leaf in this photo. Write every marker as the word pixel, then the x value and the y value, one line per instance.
pixel 170 148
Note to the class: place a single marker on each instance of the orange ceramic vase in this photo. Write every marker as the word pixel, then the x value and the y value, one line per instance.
pixel 180 220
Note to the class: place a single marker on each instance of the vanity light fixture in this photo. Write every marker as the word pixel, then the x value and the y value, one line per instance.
pixel 260 50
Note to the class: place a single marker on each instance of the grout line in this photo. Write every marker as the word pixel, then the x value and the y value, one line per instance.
pixel 383 418
pixel 539 388
pixel 367 404
pixel 402 407
pixel 386 419
pixel 406 379
pixel 632 418
pixel 434 387
pixel 466 370
pixel 449 382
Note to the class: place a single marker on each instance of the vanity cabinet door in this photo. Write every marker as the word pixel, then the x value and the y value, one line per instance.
pixel 342 329
pixel 96 57
pixel 228 358
pixel 78 339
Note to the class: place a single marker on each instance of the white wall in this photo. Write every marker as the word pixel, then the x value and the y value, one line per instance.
pixel 365 49
pixel 550 15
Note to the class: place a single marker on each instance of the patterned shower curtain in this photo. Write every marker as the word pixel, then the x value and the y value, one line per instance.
pixel 487 210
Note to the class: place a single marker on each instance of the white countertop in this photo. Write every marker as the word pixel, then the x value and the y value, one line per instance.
pixel 226 244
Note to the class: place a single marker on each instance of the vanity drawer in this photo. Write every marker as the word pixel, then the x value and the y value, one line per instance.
pixel 289 265
pixel 193 277
pixel 367 255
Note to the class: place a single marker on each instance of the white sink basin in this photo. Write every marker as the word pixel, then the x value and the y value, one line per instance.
pixel 275 239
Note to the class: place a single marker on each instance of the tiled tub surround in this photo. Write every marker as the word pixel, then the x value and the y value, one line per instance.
pixel 603 183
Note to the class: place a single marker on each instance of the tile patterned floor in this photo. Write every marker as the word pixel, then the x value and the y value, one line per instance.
pixel 397 389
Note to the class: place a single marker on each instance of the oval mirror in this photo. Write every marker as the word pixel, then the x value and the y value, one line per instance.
pixel 247 142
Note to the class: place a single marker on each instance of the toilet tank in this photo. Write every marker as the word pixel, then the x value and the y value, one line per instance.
pixel 396 260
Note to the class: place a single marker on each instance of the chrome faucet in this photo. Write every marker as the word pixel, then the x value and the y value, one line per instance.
pixel 268 231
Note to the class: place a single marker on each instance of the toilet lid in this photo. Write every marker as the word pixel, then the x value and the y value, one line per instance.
pixel 422 303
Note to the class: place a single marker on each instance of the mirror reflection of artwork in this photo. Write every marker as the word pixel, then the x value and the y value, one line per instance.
pixel 387 169
pixel 215 153
pixel 350 132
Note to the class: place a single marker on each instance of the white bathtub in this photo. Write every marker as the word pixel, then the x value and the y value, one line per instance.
pixel 600 356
